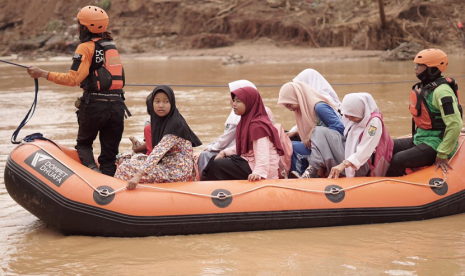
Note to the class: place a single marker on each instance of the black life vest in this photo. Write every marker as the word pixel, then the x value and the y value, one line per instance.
pixel 423 117
pixel 106 73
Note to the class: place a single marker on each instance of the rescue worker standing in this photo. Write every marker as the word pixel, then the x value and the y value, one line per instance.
pixel 97 69
pixel 435 106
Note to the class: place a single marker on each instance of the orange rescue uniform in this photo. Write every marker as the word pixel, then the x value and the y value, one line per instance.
pixel 74 78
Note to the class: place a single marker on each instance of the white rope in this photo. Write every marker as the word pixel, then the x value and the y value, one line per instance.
pixel 105 193
pixel 82 178
pixel 434 185
pixel 177 191
pixel 236 194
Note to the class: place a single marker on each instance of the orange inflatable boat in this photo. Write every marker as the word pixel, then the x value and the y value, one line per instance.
pixel 49 181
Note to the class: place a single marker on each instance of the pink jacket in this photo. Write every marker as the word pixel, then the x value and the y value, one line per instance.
pixel 263 159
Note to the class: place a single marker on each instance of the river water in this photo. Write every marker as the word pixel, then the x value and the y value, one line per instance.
pixel 28 247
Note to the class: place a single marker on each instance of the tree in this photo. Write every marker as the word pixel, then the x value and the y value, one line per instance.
pixel 382 14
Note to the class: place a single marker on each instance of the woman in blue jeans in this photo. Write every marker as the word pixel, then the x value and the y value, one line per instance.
pixel 310 109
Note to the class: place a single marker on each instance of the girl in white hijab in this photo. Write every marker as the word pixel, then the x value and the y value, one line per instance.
pixel 227 139
pixel 363 133
pixel 321 85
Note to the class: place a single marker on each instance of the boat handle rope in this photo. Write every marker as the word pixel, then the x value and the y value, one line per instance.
pixel 223 196
pixel 30 113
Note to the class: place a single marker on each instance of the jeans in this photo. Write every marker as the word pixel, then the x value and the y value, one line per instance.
pixel 299 160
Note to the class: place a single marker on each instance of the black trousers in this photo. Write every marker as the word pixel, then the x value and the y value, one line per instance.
pixel 105 118
pixel 229 168
pixel 407 155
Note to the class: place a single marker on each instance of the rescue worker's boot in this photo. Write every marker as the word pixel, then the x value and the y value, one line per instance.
pixel 94 167
pixel 87 157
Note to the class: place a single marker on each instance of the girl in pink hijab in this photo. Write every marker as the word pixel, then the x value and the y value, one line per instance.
pixel 258 147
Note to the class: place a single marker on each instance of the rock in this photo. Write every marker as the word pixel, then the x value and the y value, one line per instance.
pixel 8 20
pixel 135 5
pixel 9 24
pixel 405 51
pixel 159 43
pixel 10 57
pixel 31 44
pixel 265 41
pixel 276 3
pixel 56 43
pixel 233 60
pixel 54 39
pixel 211 41
pixel 137 48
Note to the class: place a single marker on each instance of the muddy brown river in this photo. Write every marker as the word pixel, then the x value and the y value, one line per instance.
pixel 28 247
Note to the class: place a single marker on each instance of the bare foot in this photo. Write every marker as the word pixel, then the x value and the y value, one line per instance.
pixel 135 142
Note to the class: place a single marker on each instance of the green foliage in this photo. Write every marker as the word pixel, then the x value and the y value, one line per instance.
pixel 55 25
pixel 105 4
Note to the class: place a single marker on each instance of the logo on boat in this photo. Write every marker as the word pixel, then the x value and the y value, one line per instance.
pixel 48 167
pixel 39 158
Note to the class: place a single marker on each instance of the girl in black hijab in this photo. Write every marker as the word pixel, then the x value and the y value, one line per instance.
pixel 172 158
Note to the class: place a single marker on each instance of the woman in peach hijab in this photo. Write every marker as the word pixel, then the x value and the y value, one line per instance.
pixel 321 85
pixel 310 109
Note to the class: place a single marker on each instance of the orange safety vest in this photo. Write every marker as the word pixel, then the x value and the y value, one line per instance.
pixel 106 74
pixel 423 117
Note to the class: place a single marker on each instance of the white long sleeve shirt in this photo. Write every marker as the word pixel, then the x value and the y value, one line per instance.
pixel 226 140
pixel 370 140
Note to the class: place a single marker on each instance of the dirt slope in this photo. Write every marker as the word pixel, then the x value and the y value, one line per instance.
pixel 48 27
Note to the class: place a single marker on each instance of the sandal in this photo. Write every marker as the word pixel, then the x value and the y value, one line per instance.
pixel 310 172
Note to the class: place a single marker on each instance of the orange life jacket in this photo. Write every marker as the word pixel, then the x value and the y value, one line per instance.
pixel 106 74
pixel 423 117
